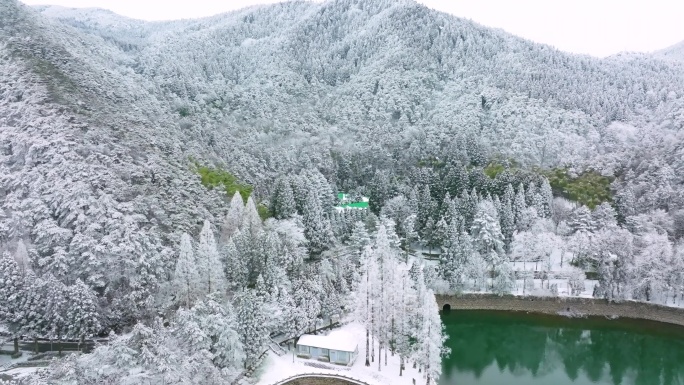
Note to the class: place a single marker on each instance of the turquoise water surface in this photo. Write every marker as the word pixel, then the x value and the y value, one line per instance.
pixel 512 348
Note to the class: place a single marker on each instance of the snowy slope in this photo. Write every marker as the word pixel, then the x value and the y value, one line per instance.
pixel 113 108
pixel 675 52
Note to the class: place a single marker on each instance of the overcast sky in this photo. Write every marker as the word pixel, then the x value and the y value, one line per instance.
pixel 595 27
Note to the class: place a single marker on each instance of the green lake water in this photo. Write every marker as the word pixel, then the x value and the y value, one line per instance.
pixel 509 348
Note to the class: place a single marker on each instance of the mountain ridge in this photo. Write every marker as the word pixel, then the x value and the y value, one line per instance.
pixel 357 89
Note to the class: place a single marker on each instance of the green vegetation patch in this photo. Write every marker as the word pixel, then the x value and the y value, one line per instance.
pixel 264 212
pixel 216 177
pixel 589 188
pixel 493 169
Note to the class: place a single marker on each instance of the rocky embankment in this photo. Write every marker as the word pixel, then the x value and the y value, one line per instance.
pixel 567 306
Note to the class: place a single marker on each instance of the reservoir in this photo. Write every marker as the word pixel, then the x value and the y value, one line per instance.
pixel 518 348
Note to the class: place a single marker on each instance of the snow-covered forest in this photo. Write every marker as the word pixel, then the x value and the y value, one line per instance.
pixel 122 143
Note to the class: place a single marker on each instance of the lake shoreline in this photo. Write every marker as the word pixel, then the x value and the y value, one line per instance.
pixel 564 306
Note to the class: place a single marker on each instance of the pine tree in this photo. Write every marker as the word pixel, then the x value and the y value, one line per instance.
pixel 364 296
pixel 236 270
pixel 431 339
pixel 251 221
pixel 547 198
pixel 486 230
pixel 519 207
pixel 210 268
pixel 30 319
pixel 358 242
pixel 228 349
pixel 316 226
pixel 504 279
pixel 509 195
pixel 58 301
pixel 82 316
pixel 444 211
pixel 403 340
pixel 507 219
pixel 604 216
pixel 233 219
pixel 250 325
pixel 429 232
pixel 529 194
pixel 626 204
pixel 427 207
pixel 581 220
pixel 186 278
pixel 323 189
pixel 22 258
pixel 487 236
pixel 455 261
pixel 301 187
pixel 440 236
pixel 283 205
pixel 540 205
pixel 12 292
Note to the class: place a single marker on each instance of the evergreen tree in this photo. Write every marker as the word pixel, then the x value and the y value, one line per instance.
pixel 380 191
pixel 251 221
pixel 540 205
pixel 429 234
pixel 547 198
pixel 301 187
pixel 33 318
pixel 486 230
pixel 487 237
pixel 209 266
pixel 82 315
pixel 236 270
pixel 507 218
pixel 22 258
pixel 504 278
pixel 581 220
pixel 431 339
pixel 626 203
pixel 604 216
pixel 509 195
pixel 12 293
pixel 519 207
pixel 283 204
pixel 316 226
pixel 358 242
pixel 427 207
pixel 455 261
pixel 186 278
pixel 60 302
pixel 251 325
pixel 530 192
pixel 233 219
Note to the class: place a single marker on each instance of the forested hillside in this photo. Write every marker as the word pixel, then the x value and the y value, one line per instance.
pixel 122 143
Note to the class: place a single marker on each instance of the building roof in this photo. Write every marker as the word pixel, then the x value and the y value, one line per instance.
pixel 336 340
pixel 357 205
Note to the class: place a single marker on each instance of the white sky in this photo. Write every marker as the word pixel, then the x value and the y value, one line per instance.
pixel 595 27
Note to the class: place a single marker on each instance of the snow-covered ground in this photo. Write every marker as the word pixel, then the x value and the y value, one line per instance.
pixel 6 361
pixel 276 368
pixel 18 373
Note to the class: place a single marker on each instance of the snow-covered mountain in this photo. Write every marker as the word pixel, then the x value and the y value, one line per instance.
pixel 99 115
pixel 675 52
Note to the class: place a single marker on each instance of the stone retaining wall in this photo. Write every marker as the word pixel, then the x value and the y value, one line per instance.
pixel 318 381
pixel 564 305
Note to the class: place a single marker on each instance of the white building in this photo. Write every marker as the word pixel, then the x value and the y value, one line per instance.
pixel 337 348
